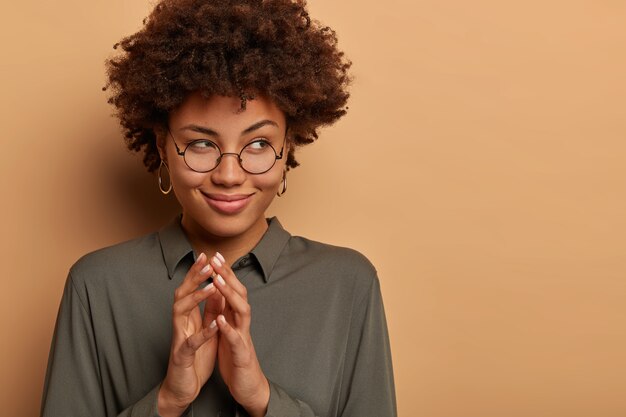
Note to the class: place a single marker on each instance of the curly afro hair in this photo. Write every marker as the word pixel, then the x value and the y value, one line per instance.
pixel 232 48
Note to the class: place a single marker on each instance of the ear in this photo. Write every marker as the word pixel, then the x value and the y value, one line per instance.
pixel 161 142
pixel 287 137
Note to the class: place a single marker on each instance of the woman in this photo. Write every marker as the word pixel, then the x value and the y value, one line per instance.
pixel 218 94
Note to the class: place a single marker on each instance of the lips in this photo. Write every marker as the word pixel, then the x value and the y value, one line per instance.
pixel 227 203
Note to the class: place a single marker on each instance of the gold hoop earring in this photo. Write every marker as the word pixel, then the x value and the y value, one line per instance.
pixel 284 189
pixel 169 188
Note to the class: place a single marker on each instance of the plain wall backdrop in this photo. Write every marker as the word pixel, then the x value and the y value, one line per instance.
pixel 481 167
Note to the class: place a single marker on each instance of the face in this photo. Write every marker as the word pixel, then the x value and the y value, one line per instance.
pixel 226 202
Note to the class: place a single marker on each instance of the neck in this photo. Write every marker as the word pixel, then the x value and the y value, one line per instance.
pixel 231 247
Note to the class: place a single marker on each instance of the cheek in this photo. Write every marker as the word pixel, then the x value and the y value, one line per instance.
pixel 183 178
pixel 270 180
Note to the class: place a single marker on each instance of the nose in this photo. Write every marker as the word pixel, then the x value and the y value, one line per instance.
pixel 228 172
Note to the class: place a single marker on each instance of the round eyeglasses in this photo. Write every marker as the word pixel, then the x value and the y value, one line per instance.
pixel 203 155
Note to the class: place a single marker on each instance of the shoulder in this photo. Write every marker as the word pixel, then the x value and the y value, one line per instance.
pixel 336 256
pixel 116 259
pixel 332 262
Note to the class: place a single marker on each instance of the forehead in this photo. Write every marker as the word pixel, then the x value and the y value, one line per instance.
pixel 224 113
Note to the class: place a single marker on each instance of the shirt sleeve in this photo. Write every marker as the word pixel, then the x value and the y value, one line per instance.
pixel 367 384
pixel 282 404
pixel 367 388
pixel 72 386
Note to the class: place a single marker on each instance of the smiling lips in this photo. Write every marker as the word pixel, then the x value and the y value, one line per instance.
pixel 227 203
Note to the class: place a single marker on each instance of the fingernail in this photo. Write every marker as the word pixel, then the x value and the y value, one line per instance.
pixel 200 258
pixel 222 319
pixel 217 261
pixel 213 324
pixel 221 280
pixel 220 257
pixel 208 287
pixel 206 269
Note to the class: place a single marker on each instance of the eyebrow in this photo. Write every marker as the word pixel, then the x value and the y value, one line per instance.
pixel 211 132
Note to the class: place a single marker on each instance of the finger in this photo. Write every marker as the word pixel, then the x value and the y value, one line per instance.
pixel 237 304
pixel 183 307
pixel 222 268
pixel 213 307
pixel 232 336
pixel 195 341
pixel 199 272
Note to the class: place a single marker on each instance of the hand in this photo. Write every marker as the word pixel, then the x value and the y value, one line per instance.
pixel 194 340
pixel 237 360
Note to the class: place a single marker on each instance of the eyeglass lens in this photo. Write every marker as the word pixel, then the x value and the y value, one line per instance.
pixel 256 157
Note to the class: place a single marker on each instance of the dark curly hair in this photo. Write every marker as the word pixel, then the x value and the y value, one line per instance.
pixel 233 48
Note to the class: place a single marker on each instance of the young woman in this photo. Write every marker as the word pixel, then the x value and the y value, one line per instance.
pixel 223 312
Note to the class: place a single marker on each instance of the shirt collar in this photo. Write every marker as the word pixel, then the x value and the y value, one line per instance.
pixel 271 245
pixel 175 246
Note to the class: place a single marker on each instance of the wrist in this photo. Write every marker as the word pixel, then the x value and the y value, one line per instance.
pixel 167 405
pixel 258 406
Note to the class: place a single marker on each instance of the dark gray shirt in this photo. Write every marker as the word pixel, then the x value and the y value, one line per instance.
pixel 318 327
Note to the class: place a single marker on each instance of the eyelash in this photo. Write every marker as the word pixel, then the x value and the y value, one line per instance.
pixel 259 139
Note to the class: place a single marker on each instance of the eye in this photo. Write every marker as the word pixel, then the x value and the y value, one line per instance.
pixel 202 145
pixel 258 145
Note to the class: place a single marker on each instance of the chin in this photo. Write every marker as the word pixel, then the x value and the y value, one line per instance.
pixel 226 229
pixel 225 226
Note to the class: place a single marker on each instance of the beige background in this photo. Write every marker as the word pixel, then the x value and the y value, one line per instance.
pixel 482 168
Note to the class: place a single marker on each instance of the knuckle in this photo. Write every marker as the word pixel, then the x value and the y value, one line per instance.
pixel 177 293
pixel 246 310
pixel 177 308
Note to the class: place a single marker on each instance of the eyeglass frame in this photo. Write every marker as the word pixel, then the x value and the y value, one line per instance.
pixel 238 155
